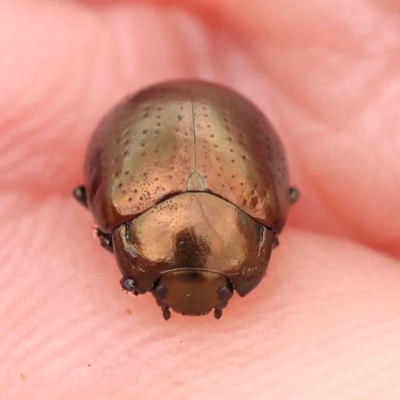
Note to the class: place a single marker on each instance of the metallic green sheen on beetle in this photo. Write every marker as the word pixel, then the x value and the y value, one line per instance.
pixel 188 185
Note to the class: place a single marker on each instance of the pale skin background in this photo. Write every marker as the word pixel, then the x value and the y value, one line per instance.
pixel 325 323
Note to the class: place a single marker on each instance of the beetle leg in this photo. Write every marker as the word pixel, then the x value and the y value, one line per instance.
pixel 293 195
pixel 80 195
pixel 105 240
pixel 225 294
pixel 276 242
pixel 160 292
pixel 128 284
pixel 166 313
pixel 218 312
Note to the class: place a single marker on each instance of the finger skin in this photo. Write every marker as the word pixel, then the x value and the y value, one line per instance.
pixel 335 84
pixel 332 97
pixel 325 321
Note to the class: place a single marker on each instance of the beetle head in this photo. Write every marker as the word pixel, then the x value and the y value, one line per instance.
pixel 192 292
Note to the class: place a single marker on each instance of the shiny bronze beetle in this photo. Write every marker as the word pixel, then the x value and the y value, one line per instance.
pixel 188 185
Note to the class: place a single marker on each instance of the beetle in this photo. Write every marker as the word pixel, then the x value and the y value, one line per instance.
pixel 188 185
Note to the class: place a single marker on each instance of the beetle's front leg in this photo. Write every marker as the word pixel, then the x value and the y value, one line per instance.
pixel 105 240
pixel 293 195
pixel 80 195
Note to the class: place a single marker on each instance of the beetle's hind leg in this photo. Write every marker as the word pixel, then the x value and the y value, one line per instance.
pixel 293 195
pixel 80 195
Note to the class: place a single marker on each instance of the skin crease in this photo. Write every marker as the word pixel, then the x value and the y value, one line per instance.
pixel 324 324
